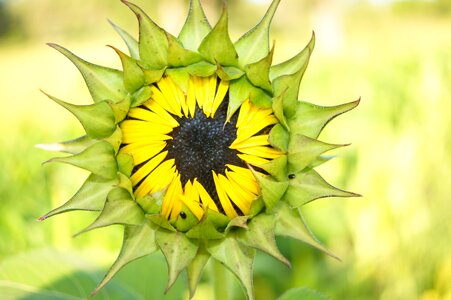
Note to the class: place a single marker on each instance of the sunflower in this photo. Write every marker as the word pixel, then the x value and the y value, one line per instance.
pixel 199 147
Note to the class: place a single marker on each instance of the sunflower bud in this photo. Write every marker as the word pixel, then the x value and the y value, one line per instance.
pixel 199 147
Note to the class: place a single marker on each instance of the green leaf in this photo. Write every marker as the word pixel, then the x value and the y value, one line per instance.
pixel 91 196
pixel 254 45
pixel 296 63
pixel 138 241
pixel 103 83
pixel 196 27
pixel 98 159
pixel 258 72
pixel 178 250
pixel 279 137
pixel 73 146
pixel 260 98
pixel 179 56
pixel 97 119
pixel 153 44
pixel 125 183
pixel 310 119
pixel 217 46
pixel 260 235
pixel 309 186
pixel 237 257
pixel 302 151
pixel 195 268
pixel 302 293
pixel 291 223
pixel 133 74
pixel 320 160
pixel 129 40
pixel 119 208
pixel 272 191
pixel 47 274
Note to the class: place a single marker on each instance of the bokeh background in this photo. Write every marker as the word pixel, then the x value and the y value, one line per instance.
pixel 394 242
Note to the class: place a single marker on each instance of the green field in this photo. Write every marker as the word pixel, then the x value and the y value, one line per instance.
pixel 394 242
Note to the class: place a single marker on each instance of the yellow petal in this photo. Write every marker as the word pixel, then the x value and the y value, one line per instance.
pixel 205 197
pixel 157 179
pixel 223 198
pixel 220 94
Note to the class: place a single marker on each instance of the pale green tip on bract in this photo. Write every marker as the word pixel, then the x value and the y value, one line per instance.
pixel 199 50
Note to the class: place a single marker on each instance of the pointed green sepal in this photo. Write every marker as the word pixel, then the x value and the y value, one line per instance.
pixel 161 221
pixel 277 168
pixel 279 138
pixel 290 79
pixel 237 222
pixel 210 227
pixel 195 268
pixel 153 44
pixel 180 76
pixel 296 63
pixel 260 235
pixel 186 223
pixel 73 146
pixel 97 119
pixel 99 159
pixel 320 160
pixel 178 250
pixel 277 108
pixel 239 91
pixel 119 208
pixel 256 207
pixel 196 27
pixel 290 222
pixel 228 73
pixel 115 139
pixel 272 191
pixel 201 69
pixel 130 41
pixel 303 151
pixel 258 72
pixel 254 45
pixel 153 75
pixel 141 96
pixel 310 119
pixel 179 56
pixel 138 241
pixel 133 74
pixel 125 183
pixel 125 163
pixel 237 257
pixel 103 83
pixel 90 197
pixel 260 98
pixel 120 109
pixel 308 186
pixel 217 46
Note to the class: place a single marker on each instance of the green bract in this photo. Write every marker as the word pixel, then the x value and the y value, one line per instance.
pixel 202 51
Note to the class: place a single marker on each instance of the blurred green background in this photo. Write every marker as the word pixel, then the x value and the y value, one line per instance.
pixel 395 242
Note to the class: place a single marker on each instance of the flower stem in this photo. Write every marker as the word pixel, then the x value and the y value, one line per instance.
pixel 220 282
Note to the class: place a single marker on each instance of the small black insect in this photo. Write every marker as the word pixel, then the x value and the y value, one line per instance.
pixel 291 176
pixel 183 215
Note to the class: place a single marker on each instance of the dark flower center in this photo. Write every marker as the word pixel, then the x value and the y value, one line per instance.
pixel 201 145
